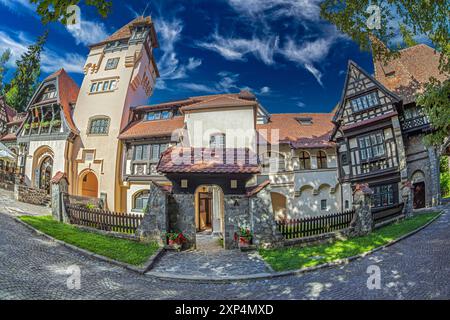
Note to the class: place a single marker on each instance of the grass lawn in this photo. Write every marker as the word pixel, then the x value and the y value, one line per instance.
pixel 297 257
pixel 127 251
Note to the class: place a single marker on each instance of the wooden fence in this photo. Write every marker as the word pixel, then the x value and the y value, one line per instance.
pixel 104 220
pixel 384 214
pixel 312 226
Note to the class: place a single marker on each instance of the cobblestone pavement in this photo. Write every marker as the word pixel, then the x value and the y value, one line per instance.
pixel 210 260
pixel 10 206
pixel 32 267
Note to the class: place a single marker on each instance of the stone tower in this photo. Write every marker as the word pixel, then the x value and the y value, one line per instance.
pixel 120 73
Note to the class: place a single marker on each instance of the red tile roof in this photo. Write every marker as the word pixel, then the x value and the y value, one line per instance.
pixel 67 94
pixel 205 160
pixel 124 33
pixel 221 101
pixel 157 128
pixel 58 176
pixel 251 191
pixel 407 74
pixel 9 137
pixel 299 135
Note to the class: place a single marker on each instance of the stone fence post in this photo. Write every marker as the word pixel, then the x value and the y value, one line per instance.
pixel 154 225
pixel 60 187
pixel 407 199
pixel 361 202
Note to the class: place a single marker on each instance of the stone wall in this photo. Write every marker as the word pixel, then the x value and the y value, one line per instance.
pixel 155 223
pixel 181 212
pixel 32 195
pixel 265 233
pixel 236 216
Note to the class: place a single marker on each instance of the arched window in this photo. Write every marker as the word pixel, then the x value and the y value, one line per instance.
pixel 304 161
pixel 321 160
pixel 272 162
pixel 99 126
pixel 140 200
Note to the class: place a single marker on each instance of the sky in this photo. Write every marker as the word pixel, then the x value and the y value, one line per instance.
pixel 281 50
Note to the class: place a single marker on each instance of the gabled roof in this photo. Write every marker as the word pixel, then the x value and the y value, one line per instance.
pixel 206 160
pixel 158 128
pixel 124 33
pixel 352 64
pixel 407 74
pixel 299 135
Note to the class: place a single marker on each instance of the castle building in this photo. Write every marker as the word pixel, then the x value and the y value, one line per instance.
pixel 212 150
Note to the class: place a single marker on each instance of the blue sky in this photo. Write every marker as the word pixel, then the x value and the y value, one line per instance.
pixel 279 49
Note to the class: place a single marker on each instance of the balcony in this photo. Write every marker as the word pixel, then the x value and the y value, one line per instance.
pixel 418 123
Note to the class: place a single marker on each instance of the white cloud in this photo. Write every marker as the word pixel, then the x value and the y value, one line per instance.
pixel 308 53
pixel 18 5
pixel 265 90
pixel 197 87
pixel 273 9
pixel 238 48
pixel 88 32
pixel 170 66
pixel 50 60
pixel 301 104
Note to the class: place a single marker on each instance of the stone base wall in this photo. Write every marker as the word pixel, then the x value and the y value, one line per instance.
pixel 236 216
pixel 32 195
pixel 181 213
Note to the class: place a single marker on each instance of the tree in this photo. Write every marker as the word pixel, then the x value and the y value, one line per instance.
pixel 26 76
pixel 56 10
pixel 407 37
pixel 4 58
pixel 415 18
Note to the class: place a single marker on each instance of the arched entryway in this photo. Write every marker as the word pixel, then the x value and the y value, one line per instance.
pixel 279 205
pixel 45 174
pixel 209 209
pixel 418 183
pixel 88 184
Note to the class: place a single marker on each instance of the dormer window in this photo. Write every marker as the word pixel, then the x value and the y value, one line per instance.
pixel 305 121
pixel 159 115
pixel 365 102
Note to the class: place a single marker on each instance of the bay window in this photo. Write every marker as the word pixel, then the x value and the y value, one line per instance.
pixel 371 146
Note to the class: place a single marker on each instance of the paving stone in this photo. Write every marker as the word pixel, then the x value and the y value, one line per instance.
pixel 32 267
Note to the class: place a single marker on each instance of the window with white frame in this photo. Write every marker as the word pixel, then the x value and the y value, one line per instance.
pixel 141 200
pixel 159 115
pixel 112 63
pixel 371 146
pixel 217 141
pixel 365 102
pixel 103 86
pixel 149 152
pixel 99 126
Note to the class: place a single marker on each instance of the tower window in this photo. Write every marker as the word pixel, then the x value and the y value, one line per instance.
pixel 112 63
pixel 103 86
pixel 99 126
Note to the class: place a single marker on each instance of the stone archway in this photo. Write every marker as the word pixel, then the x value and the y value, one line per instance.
pixel 419 189
pixel 88 184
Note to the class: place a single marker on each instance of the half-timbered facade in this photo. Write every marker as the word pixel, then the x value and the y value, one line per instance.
pixel 369 138
pixel 46 135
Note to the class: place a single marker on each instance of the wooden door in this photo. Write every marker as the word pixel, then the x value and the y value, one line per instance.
pixel 205 205
pixel 419 195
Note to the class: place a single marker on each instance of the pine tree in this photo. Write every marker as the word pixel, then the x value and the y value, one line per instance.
pixel 4 58
pixel 26 76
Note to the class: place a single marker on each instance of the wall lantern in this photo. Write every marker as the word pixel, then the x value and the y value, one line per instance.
pixel 184 183
pixel 233 184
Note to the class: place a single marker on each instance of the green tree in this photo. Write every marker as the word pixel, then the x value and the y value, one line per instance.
pixel 407 37
pixel 56 10
pixel 26 76
pixel 416 18
pixel 4 58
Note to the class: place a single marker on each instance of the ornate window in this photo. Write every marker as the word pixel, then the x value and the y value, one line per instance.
pixel 103 86
pixel 99 126
pixel 217 141
pixel 140 200
pixel 321 160
pixel 365 102
pixel 304 160
pixel 112 63
pixel 371 146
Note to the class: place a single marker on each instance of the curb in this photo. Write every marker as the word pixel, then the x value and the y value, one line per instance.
pixel 265 276
pixel 147 266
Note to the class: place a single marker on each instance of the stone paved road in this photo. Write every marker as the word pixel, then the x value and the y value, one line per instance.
pixel 34 268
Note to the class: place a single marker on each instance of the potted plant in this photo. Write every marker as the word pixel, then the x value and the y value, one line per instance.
pixel 175 240
pixel 245 237
pixel 56 123
pixel 45 124
pixel 27 126
pixel 35 125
